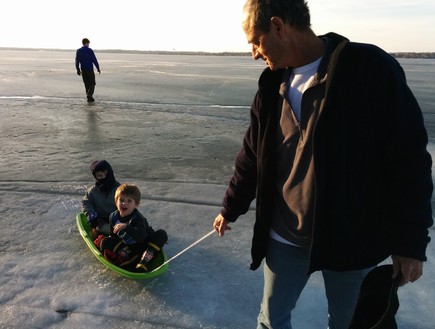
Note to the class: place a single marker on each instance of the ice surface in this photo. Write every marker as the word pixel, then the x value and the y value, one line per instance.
pixel 172 125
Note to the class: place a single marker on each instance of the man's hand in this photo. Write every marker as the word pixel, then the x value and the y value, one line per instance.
pixel 221 225
pixel 78 72
pixel 411 269
pixel 99 71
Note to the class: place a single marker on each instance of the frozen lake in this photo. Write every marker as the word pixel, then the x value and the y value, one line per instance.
pixel 172 125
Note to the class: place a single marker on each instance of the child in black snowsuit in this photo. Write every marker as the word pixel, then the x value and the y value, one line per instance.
pixel 98 202
pixel 132 242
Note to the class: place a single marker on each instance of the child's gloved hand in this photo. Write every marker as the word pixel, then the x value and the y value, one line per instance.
pixel 93 220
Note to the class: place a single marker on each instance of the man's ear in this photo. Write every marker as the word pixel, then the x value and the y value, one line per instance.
pixel 277 25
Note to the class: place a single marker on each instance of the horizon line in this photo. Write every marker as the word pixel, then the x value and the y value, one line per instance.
pixel 421 54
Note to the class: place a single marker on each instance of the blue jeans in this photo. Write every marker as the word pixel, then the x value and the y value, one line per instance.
pixel 285 276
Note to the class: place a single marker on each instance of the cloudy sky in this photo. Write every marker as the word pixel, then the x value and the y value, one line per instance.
pixel 203 25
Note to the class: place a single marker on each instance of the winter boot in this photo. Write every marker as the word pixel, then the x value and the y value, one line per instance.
pixel 97 241
pixel 125 257
pixel 110 255
pixel 147 256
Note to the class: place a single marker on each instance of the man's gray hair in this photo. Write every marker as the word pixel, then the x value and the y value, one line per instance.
pixel 293 12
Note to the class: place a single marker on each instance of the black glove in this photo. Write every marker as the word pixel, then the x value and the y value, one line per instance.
pixel 99 72
pixel 93 220
pixel 78 72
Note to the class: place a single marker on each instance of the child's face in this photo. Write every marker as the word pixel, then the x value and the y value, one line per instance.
pixel 126 205
pixel 99 175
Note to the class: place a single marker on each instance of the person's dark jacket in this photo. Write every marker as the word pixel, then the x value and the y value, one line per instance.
pixel 373 182
pixel 137 230
pixel 102 203
pixel 86 59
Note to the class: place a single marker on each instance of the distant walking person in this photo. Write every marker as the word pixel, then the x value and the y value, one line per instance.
pixel 85 61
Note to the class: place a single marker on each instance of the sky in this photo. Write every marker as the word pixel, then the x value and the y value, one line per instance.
pixel 202 25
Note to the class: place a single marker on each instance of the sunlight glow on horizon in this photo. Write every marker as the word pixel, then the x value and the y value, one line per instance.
pixel 194 25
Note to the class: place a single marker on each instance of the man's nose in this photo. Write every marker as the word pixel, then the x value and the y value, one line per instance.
pixel 255 54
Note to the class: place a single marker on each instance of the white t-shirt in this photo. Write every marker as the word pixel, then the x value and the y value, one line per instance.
pixel 300 79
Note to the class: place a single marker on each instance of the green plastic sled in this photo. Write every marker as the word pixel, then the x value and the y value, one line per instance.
pixel 85 232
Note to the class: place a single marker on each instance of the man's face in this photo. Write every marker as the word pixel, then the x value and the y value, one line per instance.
pixel 265 45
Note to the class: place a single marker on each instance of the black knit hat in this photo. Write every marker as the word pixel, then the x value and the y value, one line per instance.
pixel 108 182
pixel 378 301
pixel 100 165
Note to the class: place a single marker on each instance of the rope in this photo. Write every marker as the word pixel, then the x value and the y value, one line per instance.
pixel 184 250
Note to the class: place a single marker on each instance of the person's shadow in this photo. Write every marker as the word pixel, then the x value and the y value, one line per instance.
pixel 93 120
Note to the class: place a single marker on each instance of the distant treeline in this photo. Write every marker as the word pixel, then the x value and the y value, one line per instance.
pixel 154 52
pixel 413 55
pixel 174 52
pixel 395 54
pixel 427 55
pixel 245 54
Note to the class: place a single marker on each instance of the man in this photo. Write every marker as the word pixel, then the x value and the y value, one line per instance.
pixel 335 156
pixel 85 60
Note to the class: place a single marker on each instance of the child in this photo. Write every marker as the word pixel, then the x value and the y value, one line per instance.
pixel 130 234
pixel 98 202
